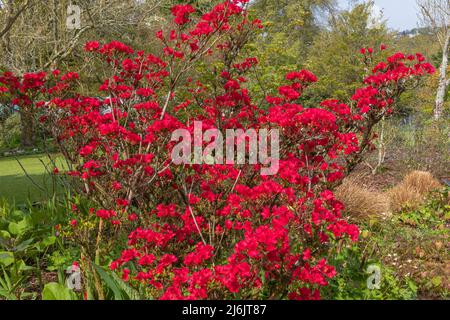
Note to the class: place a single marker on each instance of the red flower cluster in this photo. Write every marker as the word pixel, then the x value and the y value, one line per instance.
pixel 181 13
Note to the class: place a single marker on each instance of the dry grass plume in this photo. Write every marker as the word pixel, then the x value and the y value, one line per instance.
pixel 413 190
pixel 362 201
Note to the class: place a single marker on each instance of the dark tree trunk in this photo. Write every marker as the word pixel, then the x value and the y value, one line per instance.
pixel 27 124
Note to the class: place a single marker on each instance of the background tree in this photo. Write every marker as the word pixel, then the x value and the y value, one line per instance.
pixel 334 56
pixel 36 36
pixel 290 28
pixel 436 15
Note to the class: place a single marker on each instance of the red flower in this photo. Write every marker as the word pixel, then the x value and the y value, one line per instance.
pixel 181 13
pixel 86 150
pixel 201 253
pixel 117 185
pixel 91 46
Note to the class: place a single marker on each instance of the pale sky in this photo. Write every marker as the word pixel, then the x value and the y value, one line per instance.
pixel 400 14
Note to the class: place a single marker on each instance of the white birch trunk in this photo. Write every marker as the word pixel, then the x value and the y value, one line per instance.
pixel 443 82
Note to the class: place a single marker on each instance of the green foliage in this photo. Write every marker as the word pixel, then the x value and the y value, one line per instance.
pixel 435 213
pixel 334 57
pixel 119 289
pixel 414 244
pixel 353 277
pixel 21 242
pixel 10 132
pixel 290 27
pixel 283 44
pixel 27 236
pixel 409 248
pixel 57 291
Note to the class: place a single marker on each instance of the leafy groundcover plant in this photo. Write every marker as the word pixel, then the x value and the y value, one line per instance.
pixel 208 231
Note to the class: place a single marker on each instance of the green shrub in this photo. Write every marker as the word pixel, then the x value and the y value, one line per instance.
pixel 10 133
pixel 357 270
pixel 27 237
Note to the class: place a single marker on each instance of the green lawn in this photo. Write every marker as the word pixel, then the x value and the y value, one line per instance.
pixel 16 186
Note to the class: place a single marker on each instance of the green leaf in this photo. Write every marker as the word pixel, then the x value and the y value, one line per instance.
pixel 412 286
pixel 46 242
pixel 6 258
pixel 110 282
pixel 436 281
pixel 24 245
pixel 57 291
pixel 4 234
pixel 18 228
pixel 49 241
pixel 17 214
pixel 132 293
pixel 6 281
pixel 22 266
pixel 7 295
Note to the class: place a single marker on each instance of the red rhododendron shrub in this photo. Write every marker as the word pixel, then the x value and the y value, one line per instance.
pixel 213 231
